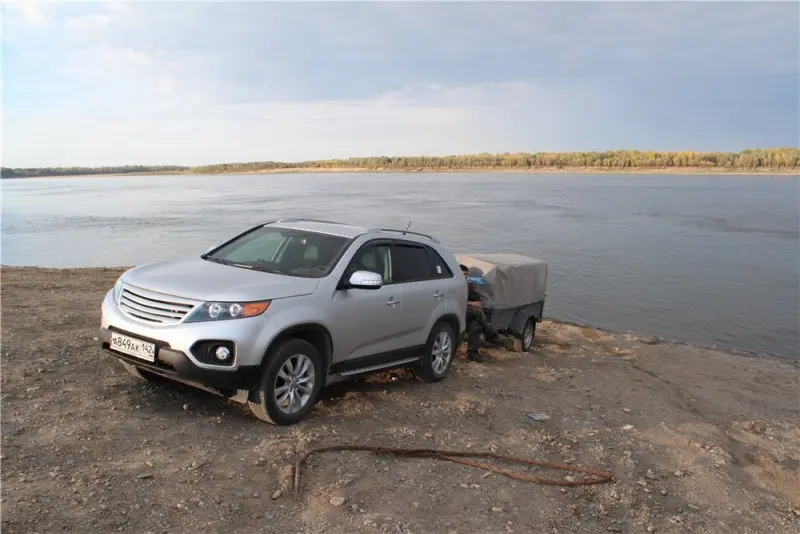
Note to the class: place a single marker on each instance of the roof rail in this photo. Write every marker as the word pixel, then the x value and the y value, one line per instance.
pixel 303 219
pixel 405 232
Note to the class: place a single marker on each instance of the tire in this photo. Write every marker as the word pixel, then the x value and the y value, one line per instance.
pixel 528 331
pixel 439 354
pixel 141 374
pixel 293 359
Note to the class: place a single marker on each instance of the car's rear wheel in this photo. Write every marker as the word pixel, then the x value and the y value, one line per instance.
pixel 291 381
pixel 439 354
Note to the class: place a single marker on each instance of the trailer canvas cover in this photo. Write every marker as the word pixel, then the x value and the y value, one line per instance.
pixel 514 280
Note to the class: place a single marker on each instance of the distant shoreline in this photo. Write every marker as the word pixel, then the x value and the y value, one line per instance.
pixel 766 161
pixel 466 170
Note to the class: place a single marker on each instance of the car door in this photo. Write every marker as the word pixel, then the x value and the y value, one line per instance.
pixel 423 292
pixel 365 322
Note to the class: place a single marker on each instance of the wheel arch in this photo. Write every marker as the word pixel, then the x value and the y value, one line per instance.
pixel 315 333
pixel 451 320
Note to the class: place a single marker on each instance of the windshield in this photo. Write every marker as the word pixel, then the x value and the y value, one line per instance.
pixel 282 251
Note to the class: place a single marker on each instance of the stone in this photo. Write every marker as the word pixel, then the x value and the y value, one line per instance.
pixel 650 474
pixel 497 509
pixel 276 495
pixel 337 500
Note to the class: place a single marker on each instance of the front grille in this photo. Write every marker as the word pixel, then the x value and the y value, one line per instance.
pixel 152 307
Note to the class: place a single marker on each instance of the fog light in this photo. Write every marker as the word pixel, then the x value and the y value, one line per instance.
pixel 222 353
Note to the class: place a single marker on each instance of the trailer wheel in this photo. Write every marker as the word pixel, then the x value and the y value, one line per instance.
pixel 528 331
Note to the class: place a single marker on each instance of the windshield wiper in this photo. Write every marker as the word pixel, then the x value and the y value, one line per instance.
pixel 268 270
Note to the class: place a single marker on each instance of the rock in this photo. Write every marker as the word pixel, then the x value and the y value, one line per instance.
pixel 497 509
pixel 144 476
pixel 651 528
pixel 650 475
pixel 337 501
pixel 627 410
pixel 256 495
pixel 569 478
pixel 641 482
pixel 464 486
pixel 756 427
pixel 678 474
pixel 148 463
pixel 663 492
pixel 276 495
pixel 185 407
pixel 693 507
pixel 286 477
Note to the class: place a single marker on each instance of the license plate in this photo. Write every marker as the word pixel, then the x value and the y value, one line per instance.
pixel 133 347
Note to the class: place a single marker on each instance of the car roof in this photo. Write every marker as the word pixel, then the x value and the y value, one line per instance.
pixel 322 227
pixel 346 230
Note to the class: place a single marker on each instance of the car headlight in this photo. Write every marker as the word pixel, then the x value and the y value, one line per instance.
pixel 222 311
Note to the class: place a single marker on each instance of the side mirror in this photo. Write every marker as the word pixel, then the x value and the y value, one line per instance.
pixel 365 280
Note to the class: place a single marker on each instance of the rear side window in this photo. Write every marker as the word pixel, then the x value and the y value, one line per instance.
pixel 439 268
pixel 410 263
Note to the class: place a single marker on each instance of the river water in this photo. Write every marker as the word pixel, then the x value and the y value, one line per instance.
pixel 697 258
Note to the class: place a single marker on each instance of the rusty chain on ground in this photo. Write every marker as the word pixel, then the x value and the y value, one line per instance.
pixel 597 476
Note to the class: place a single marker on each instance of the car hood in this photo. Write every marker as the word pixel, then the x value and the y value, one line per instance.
pixel 196 278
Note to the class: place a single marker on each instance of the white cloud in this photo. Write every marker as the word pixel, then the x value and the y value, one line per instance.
pixel 431 121
pixel 31 11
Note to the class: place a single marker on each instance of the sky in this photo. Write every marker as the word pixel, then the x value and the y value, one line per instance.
pixel 191 83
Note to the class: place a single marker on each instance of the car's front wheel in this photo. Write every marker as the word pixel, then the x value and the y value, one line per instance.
pixel 291 381
pixel 439 354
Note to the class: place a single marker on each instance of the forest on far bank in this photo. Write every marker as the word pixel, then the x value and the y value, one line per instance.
pixel 38 172
pixel 746 160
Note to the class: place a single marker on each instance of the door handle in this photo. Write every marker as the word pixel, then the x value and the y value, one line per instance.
pixel 438 294
pixel 392 302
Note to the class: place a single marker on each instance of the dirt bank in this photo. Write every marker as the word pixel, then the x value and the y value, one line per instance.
pixel 698 440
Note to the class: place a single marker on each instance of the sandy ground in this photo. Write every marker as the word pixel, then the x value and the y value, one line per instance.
pixel 698 440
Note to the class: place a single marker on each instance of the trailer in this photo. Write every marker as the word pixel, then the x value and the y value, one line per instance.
pixel 513 291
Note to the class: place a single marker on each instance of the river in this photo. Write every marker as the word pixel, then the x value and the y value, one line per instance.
pixel 707 259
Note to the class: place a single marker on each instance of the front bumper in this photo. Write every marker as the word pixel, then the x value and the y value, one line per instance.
pixel 177 347
pixel 175 364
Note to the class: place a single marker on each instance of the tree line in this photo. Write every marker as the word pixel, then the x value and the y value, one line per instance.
pixel 7 172
pixel 780 158
pixel 746 160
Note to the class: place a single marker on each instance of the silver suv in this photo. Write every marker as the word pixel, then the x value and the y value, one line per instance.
pixel 280 311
